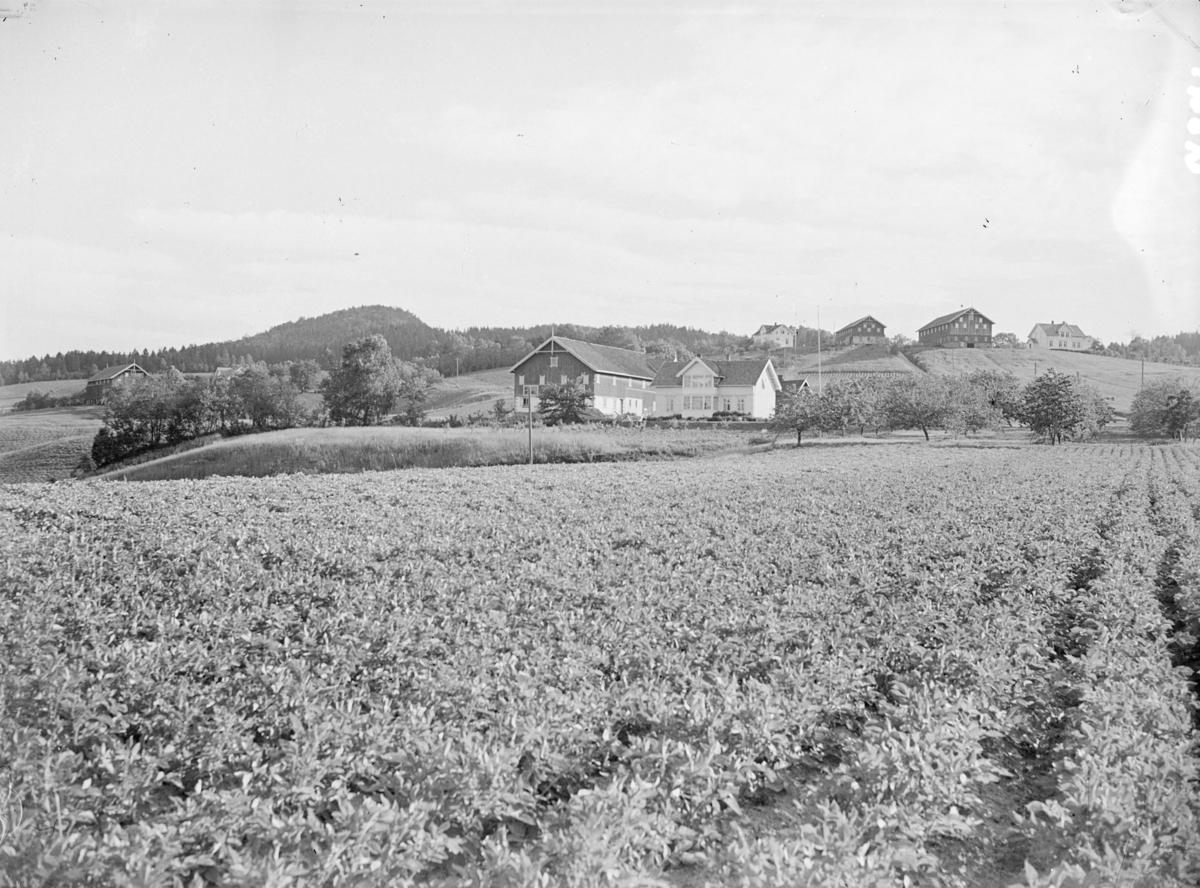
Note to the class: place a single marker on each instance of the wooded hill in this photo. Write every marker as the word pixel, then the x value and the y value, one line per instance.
pixel 411 339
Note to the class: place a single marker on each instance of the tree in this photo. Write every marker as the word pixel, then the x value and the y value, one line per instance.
pixel 267 399
pixel 1001 390
pixel 1182 413
pixel 564 404
pixel 916 401
pixel 368 383
pixel 1006 340
pixel 500 411
pixel 304 374
pixel 968 408
pixel 1164 407
pixel 798 411
pixel 1058 408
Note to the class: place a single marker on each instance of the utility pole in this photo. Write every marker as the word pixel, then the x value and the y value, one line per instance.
pixel 819 386
pixel 1143 371
pixel 529 404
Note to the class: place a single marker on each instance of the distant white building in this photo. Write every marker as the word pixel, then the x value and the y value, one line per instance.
pixel 775 336
pixel 1066 337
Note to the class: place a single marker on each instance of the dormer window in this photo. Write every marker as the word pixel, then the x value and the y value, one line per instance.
pixel 554 360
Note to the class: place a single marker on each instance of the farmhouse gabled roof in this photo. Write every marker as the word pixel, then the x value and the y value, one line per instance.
pixel 1063 329
pixel 599 358
pixel 767 329
pixel 727 372
pixel 859 321
pixel 953 316
pixel 114 371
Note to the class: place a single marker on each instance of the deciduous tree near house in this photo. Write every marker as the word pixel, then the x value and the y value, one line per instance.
pixel 564 404
pixel 798 412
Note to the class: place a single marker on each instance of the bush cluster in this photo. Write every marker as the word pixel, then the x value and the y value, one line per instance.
pixel 36 400
pixel 164 410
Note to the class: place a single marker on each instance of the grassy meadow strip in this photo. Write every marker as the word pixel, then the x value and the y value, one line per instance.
pixel 348 450
pixel 823 667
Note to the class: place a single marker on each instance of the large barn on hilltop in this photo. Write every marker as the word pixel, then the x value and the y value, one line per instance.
pixel 965 328
pixel 864 331
pixel 617 379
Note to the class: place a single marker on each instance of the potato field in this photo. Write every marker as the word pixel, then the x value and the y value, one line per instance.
pixel 850 666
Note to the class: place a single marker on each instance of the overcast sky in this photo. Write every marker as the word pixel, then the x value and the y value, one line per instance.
pixel 179 172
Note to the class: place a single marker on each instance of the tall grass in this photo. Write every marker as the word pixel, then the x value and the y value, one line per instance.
pixel 341 450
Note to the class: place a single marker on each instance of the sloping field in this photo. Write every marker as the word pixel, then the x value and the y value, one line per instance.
pixel 863 357
pixel 51 461
pixel 470 392
pixel 1116 378
pixel 823 668
pixel 11 394
pixel 46 444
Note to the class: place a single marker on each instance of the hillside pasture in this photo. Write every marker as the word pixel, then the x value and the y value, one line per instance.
pixel 41 445
pixel 60 388
pixel 1116 378
pixel 382 448
pixel 470 393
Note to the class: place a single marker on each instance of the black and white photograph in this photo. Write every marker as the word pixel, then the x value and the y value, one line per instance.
pixel 600 443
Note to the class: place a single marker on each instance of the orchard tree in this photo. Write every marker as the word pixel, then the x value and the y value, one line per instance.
pixel 917 401
pixel 1059 408
pixel 1162 407
pixel 798 411
pixel 1182 414
pixel 1001 390
pixel 564 404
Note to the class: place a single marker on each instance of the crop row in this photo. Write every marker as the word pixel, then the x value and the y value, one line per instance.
pixel 822 668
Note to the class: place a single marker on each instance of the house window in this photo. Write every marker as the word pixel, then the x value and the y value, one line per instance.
pixel 708 402
pixel 726 407
pixel 521 380
pixel 553 360
pixel 741 405
pixel 670 405
pixel 541 380
pixel 563 377
pixel 583 378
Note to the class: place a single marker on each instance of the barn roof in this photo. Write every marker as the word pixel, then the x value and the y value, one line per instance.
pixel 114 371
pixel 599 358
pixel 953 316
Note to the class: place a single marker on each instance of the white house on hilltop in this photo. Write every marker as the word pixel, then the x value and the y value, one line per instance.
pixel 775 336
pixel 1062 336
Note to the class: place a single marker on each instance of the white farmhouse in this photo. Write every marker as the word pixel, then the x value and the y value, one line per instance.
pixel 698 388
pixel 1062 336
pixel 775 336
